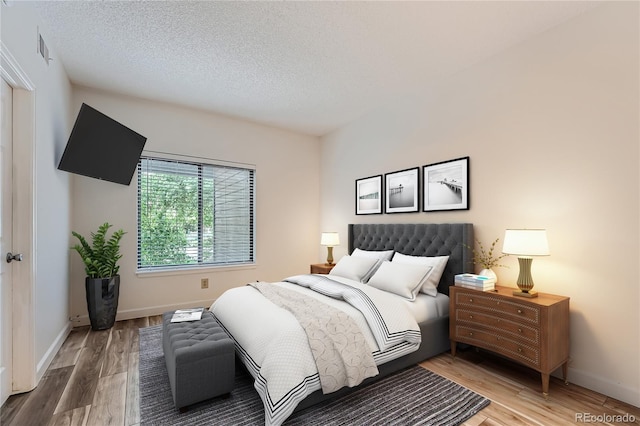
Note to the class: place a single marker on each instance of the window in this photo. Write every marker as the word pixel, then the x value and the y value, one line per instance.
pixel 194 214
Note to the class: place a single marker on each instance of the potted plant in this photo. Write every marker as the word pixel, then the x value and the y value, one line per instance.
pixel 487 259
pixel 102 283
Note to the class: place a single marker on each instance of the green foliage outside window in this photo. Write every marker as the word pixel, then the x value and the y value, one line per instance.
pixel 177 205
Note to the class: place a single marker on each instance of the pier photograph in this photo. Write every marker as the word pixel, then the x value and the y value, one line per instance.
pixel 369 195
pixel 446 185
pixel 402 191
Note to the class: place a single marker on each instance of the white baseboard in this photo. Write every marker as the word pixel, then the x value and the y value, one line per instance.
pixel 45 361
pixel 146 312
pixel 604 386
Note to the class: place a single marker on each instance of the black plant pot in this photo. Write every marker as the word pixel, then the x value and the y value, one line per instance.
pixel 102 301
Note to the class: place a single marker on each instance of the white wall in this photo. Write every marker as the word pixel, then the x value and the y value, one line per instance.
pixel 287 201
pixel 52 193
pixel 552 130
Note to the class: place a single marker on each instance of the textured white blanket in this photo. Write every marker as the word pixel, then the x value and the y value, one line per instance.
pixel 342 355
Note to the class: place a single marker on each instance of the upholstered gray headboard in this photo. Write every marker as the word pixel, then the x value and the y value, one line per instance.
pixel 420 239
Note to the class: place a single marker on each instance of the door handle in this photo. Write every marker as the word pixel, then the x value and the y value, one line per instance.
pixel 11 257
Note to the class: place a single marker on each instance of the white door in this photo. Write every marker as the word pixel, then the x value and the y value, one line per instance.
pixel 6 210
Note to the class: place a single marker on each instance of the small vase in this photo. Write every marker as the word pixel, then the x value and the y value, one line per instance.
pixel 489 273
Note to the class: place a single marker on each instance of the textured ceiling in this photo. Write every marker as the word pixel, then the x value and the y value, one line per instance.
pixel 306 66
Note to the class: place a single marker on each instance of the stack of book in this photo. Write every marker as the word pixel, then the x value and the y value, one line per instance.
pixel 475 282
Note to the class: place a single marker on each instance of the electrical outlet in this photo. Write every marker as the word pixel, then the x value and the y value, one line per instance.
pixel 204 283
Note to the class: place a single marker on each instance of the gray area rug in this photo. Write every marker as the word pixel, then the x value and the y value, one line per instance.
pixel 414 396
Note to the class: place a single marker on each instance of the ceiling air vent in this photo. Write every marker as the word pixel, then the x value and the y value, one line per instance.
pixel 43 49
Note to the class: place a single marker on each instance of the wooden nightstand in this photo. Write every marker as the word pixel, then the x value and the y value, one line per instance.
pixel 321 268
pixel 533 332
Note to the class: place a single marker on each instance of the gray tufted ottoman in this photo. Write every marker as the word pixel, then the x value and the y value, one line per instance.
pixel 200 359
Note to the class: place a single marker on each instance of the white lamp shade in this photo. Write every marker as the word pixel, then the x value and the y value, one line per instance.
pixel 330 239
pixel 526 242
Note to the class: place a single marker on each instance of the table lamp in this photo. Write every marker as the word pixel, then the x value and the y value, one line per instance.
pixel 330 239
pixel 525 243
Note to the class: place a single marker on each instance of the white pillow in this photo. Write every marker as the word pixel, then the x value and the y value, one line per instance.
pixel 378 254
pixel 400 278
pixel 354 268
pixel 381 255
pixel 438 263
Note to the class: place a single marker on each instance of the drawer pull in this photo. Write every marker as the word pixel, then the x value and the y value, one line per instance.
pixel 470 334
pixel 519 311
pixel 519 349
pixel 520 330
pixel 470 300
pixel 470 316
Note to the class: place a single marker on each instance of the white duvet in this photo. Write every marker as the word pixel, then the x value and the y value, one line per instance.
pixel 275 349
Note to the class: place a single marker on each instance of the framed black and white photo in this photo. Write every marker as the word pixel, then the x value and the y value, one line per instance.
pixel 369 195
pixel 402 192
pixel 446 185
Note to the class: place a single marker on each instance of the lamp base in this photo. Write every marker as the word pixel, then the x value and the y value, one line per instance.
pixel 530 294
pixel 329 255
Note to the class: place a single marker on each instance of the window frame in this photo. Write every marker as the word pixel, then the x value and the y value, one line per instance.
pixel 200 266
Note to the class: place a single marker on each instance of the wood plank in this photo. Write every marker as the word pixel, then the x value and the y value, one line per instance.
pixel 41 403
pixel 77 417
pixel 108 406
pixel 155 320
pixel 623 408
pixel 84 379
pixel 136 325
pixel 70 350
pixel 11 407
pixel 499 414
pixel 477 420
pixel 117 350
pixel 132 412
pixel 487 422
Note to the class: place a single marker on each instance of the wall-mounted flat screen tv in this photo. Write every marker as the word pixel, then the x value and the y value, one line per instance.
pixel 102 148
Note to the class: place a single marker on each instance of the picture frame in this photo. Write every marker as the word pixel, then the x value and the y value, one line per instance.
pixel 446 185
pixel 369 195
pixel 402 193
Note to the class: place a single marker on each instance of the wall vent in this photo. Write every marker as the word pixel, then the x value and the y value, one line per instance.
pixel 43 50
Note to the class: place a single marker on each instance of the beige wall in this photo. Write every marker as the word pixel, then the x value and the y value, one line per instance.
pixel 287 201
pixel 551 129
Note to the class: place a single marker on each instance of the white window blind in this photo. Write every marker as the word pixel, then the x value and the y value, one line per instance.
pixel 194 214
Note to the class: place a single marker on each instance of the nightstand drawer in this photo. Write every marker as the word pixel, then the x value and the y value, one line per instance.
pixel 499 325
pixel 495 304
pixel 500 344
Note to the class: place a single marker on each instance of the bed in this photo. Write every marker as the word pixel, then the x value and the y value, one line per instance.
pixel 268 337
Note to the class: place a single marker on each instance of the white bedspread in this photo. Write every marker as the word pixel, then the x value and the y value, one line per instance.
pixel 427 307
pixel 275 349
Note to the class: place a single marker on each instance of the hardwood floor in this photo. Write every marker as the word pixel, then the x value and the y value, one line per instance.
pixel 93 381
pixel 516 394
